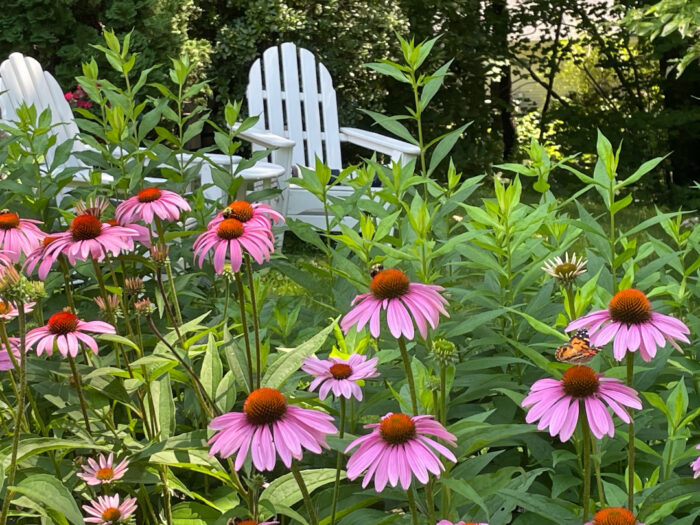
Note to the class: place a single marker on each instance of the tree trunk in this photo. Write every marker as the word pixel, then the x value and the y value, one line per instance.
pixel 501 88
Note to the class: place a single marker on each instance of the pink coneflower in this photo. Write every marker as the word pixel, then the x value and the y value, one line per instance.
pixel 106 510
pixel 231 236
pixel 256 213
pixel 67 331
pixel 92 206
pixel 9 310
pixel 614 516
pixel 88 237
pixel 556 403
pixel 633 325
pixel 41 255
pixel 18 236
pixel 103 471
pixel 5 359
pixel 695 465
pixel 340 376
pixel 398 448
pixel 268 426
pixel 404 302
pixel 150 203
pixel 141 233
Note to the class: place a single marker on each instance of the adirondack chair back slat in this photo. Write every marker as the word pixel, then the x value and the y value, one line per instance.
pixel 25 81
pixel 299 103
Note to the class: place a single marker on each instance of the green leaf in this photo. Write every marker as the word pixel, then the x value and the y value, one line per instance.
pixel 555 511
pixel 464 489
pixel 285 491
pixel 212 369
pixel 290 360
pixel 538 325
pixel 51 493
pixel 444 146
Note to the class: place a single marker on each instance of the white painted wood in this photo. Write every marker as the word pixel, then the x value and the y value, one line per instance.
pixel 329 110
pixel 312 117
pixel 254 95
pixel 273 90
pixel 292 96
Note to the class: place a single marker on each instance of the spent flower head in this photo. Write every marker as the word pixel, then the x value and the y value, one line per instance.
pixel 444 352
pixel 565 270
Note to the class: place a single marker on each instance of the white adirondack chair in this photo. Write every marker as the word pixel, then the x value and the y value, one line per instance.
pixel 294 98
pixel 22 80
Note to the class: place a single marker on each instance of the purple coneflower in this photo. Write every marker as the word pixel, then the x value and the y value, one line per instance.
pixel 230 237
pixel 106 510
pixel 445 522
pixel 88 237
pixel 556 402
pixel 614 516
pixel 630 321
pixel 404 302
pixel 695 465
pixel 268 427
pixel 43 257
pixel 18 236
pixel 150 203
pixel 256 213
pixel 340 376
pixel 398 448
pixel 9 310
pixel 67 332
pixel 253 522
pixel 5 359
pixel 103 471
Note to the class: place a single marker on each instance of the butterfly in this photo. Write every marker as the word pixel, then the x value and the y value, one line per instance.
pixel 578 350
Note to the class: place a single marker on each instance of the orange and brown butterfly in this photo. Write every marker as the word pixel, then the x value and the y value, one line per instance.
pixel 578 350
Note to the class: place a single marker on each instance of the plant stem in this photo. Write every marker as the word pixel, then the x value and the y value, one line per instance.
pixel 412 506
pixel 572 302
pixel 429 500
pixel 256 327
pixel 443 395
pixel 166 495
pixel 79 389
pixel 630 445
pixel 409 375
pixel 241 302
pixel 586 461
pixel 598 478
pixel 304 493
pixel 339 462
pixel 20 411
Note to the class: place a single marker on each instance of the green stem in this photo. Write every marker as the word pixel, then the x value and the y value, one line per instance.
pixel 256 327
pixel 246 339
pixel 79 390
pixel 630 445
pixel 613 269
pixel 586 461
pixel 409 374
pixel 429 500
pixel 570 298
pixel 166 496
pixel 412 506
pixel 339 462
pixel 313 519
pixel 598 478
pixel 20 411
pixel 443 395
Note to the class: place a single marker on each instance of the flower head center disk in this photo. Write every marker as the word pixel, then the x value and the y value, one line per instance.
pixel 8 220
pixel 389 284
pixel 104 474
pixel 340 371
pixel 630 306
pixel 565 269
pixel 148 195
pixel 580 381
pixel 239 210
pixel 397 429
pixel 246 522
pixel 265 406
pixel 63 323
pixel 111 514
pixel 614 516
pixel 230 229
pixel 5 308
pixel 85 227
pixel 47 240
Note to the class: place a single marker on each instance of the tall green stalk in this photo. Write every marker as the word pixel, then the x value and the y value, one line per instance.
pixel 20 410
pixel 630 446
pixel 586 461
pixel 313 519
pixel 409 374
pixel 339 462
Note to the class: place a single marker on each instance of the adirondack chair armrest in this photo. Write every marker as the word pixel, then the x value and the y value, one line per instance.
pixel 265 138
pixel 379 143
